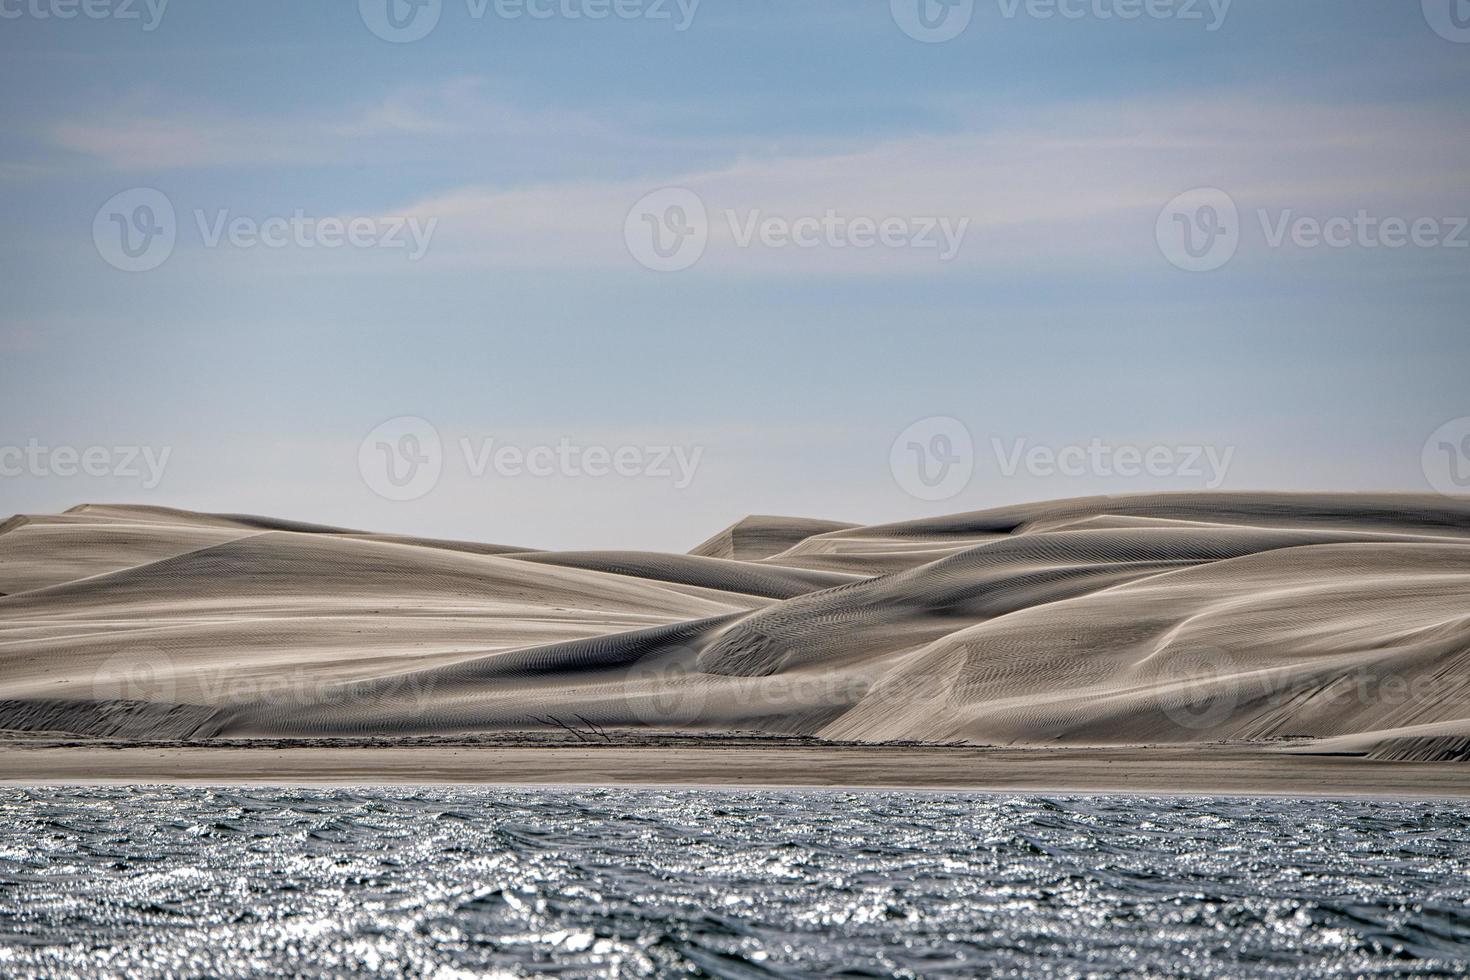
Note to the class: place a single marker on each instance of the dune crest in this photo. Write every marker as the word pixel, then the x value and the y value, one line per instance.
pixel 1336 619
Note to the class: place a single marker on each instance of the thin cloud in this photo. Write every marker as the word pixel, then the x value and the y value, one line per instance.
pixel 1079 181
pixel 407 122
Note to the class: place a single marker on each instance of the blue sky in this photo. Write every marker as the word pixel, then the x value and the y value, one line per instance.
pixel 1059 322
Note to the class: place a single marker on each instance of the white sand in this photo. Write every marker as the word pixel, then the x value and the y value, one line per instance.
pixel 1169 619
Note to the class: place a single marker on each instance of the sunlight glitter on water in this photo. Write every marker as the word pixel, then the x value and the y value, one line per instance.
pixel 146 881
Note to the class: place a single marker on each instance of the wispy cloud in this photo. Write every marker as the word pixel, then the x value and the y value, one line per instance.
pixel 406 122
pixel 165 143
pixel 1067 183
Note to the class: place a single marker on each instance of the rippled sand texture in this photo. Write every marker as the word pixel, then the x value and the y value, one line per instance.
pixel 1106 620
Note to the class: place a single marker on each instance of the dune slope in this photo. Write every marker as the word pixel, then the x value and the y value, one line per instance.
pixel 1339 620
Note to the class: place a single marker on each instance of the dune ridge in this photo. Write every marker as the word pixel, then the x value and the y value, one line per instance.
pixel 1336 621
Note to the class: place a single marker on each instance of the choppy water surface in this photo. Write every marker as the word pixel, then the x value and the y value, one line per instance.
pixel 187 881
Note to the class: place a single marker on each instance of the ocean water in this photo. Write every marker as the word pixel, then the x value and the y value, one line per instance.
pixel 154 881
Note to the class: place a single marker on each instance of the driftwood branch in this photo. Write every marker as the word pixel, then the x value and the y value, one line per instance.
pixel 577 732
pixel 595 729
pixel 550 720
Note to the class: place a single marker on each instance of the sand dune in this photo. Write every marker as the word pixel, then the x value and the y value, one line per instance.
pixel 760 537
pixel 1339 621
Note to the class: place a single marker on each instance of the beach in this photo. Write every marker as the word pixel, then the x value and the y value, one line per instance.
pixel 733 763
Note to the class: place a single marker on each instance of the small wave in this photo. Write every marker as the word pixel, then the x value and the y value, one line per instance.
pixel 155 881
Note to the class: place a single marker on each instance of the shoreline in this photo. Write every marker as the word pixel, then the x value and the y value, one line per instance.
pixel 716 763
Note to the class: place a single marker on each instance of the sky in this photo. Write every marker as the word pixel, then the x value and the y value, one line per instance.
pixel 617 273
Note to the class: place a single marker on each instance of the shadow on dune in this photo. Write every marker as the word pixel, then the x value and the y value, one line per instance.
pixel 1110 620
